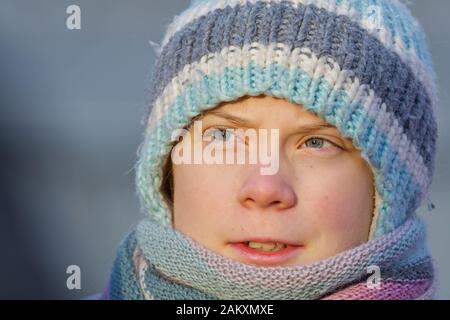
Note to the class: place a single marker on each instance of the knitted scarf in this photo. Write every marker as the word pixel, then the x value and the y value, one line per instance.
pixel 158 262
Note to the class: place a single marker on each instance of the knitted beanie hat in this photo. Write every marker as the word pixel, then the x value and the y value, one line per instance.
pixel 360 65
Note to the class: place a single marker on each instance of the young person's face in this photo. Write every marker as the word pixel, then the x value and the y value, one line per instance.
pixel 320 200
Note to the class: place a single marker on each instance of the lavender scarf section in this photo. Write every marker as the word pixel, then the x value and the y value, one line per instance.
pixel 158 262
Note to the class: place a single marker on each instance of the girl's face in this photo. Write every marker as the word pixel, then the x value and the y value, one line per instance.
pixel 318 203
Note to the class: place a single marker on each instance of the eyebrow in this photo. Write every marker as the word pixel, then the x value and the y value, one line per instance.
pixel 233 119
pixel 246 123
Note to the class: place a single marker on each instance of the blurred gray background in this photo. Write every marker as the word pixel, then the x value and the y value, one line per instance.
pixel 71 103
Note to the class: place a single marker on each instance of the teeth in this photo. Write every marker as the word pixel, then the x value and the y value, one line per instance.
pixel 272 246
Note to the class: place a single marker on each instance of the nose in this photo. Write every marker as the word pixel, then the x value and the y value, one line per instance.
pixel 267 191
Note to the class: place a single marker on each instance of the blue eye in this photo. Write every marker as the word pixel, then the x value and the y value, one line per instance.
pixel 219 134
pixel 317 143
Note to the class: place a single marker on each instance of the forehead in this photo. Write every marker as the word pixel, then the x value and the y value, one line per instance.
pixel 266 109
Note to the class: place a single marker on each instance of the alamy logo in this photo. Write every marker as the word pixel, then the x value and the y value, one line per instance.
pixel 73 21
pixel 374 281
pixel 227 146
pixel 74 280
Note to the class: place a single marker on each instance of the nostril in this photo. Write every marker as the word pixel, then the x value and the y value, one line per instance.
pixel 280 204
pixel 248 202
pixel 267 191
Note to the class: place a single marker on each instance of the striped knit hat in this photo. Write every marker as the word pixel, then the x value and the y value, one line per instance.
pixel 361 65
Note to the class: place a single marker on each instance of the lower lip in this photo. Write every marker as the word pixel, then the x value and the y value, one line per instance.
pixel 260 257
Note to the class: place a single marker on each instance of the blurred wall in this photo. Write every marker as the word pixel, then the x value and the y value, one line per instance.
pixel 71 104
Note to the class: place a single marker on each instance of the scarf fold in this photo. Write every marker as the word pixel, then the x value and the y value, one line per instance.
pixel 158 262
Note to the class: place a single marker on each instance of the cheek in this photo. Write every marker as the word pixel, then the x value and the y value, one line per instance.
pixel 339 199
pixel 201 199
pixel 329 206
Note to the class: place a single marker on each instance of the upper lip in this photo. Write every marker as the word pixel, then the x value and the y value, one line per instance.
pixel 268 240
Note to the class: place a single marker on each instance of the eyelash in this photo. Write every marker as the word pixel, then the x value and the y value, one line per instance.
pixel 224 130
pixel 320 138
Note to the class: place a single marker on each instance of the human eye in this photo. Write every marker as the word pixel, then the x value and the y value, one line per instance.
pixel 320 144
pixel 217 134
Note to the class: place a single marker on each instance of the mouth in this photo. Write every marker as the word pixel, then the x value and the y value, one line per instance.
pixel 265 252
